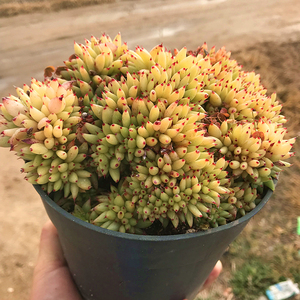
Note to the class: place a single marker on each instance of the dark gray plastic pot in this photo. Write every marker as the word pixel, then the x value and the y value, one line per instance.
pixel 119 266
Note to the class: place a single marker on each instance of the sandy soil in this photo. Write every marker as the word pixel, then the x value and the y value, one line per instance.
pixel 28 43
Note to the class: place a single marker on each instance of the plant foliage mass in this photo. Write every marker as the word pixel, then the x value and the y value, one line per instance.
pixel 125 138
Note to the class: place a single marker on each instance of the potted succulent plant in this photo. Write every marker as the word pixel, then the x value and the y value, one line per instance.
pixel 139 156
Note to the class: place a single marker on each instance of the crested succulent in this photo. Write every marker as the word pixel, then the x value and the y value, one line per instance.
pixel 124 139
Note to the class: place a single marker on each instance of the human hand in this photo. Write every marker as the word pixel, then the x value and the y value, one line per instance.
pixel 52 279
pixel 214 274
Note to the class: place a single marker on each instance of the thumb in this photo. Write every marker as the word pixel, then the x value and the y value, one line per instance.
pixel 50 252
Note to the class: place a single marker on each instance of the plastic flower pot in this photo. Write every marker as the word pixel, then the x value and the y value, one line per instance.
pixel 112 265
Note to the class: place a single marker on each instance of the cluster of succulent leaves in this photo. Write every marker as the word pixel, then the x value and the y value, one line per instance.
pixel 124 138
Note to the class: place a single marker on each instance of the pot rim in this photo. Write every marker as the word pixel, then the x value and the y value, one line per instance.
pixel 152 238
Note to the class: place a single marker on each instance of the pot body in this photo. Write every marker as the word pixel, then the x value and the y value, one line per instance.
pixel 111 265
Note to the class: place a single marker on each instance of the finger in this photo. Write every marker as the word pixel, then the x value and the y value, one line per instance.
pixel 213 275
pixel 52 278
pixel 50 249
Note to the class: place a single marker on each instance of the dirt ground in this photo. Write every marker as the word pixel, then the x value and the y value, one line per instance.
pixel 263 35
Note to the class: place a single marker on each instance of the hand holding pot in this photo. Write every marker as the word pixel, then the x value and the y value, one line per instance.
pixel 52 279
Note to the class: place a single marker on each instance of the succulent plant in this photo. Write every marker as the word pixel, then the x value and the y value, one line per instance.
pixel 124 139
pixel 41 126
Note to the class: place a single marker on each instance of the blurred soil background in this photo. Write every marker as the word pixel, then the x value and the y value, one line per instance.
pixel 263 36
